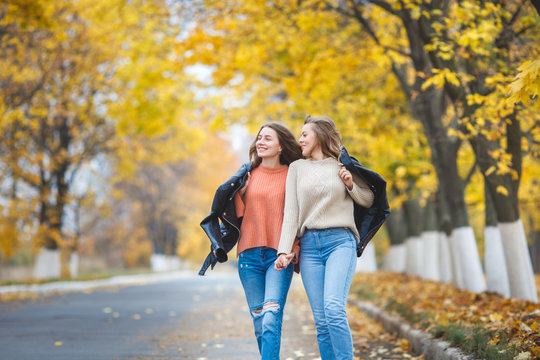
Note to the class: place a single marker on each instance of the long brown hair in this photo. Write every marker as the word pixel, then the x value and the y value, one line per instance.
pixel 290 148
pixel 327 134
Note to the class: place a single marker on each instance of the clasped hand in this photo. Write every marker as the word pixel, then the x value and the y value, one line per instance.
pixel 283 261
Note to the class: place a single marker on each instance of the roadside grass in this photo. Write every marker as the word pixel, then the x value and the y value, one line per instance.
pixel 85 276
pixel 89 276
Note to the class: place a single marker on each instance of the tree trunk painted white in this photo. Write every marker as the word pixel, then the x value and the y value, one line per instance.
pixel 518 261
pixel 47 265
pixel 395 259
pixel 414 256
pixel 160 262
pixel 430 243
pixel 367 262
pixel 457 276
pixel 496 273
pixel 174 262
pixel 74 265
pixel 471 267
pixel 445 258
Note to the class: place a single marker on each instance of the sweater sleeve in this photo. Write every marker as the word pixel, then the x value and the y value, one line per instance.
pixel 290 216
pixel 361 193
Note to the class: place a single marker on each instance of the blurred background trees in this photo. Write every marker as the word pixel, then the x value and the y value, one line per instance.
pixel 112 118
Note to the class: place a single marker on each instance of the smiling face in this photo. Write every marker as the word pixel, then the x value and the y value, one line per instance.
pixel 309 141
pixel 267 144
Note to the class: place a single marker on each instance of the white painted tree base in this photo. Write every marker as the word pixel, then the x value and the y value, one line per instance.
pixel 518 261
pixel 445 258
pixel 160 262
pixel 414 256
pixel 367 262
pixel 47 264
pixel 74 265
pixel 395 259
pixel 495 263
pixel 430 244
pixel 457 276
pixel 469 260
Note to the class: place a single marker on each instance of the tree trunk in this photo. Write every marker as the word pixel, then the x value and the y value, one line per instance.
pixel 413 243
pixel 496 273
pixel 47 264
pixel 367 262
pixel 430 239
pixel 516 252
pixel 466 263
pixel 445 265
pixel 445 227
pixel 396 228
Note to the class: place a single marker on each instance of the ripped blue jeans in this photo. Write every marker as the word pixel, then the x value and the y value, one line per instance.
pixel 266 292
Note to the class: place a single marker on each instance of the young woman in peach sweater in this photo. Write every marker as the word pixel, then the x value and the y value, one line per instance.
pixel 254 225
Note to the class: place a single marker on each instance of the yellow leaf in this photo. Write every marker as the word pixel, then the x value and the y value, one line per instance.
pixel 490 170
pixel 502 190
pixel 58 343
pixel 495 317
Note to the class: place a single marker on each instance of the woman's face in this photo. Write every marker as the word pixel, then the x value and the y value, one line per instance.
pixel 267 144
pixel 308 140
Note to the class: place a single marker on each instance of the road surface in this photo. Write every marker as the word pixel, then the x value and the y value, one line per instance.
pixel 190 317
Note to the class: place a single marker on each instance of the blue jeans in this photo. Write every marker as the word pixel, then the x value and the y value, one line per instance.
pixel 266 292
pixel 327 266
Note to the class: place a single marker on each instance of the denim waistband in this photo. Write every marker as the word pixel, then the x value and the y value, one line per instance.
pixel 327 229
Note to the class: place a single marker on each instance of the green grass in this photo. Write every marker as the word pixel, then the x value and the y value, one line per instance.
pixel 365 292
pixel 408 313
pixel 476 340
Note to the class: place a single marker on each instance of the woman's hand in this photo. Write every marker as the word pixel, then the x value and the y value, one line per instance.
pixel 283 261
pixel 345 176
pixel 242 191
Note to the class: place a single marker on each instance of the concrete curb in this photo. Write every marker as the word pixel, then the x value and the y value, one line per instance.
pixel 421 342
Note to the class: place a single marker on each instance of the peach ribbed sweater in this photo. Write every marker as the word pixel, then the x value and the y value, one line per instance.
pixel 262 208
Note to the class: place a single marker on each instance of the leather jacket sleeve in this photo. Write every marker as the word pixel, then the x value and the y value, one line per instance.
pixel 221 225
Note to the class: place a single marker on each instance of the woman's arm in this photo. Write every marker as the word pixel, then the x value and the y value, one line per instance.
pixel 361 193
pixel 356 187
pixel 290 213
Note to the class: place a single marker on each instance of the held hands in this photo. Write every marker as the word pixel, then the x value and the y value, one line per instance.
pixel 283 261
pixel 345 176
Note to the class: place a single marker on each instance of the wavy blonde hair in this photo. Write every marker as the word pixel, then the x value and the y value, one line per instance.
pixel 327 133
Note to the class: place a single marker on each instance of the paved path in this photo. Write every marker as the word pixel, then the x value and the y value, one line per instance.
pixel 184 318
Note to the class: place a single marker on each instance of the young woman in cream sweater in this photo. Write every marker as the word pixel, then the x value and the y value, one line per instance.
pixel 319 210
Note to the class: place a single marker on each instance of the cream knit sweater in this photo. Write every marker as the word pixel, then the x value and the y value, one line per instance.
pixel 317 198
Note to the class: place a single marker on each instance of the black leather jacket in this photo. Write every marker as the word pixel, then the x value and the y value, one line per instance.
pixel 367 221
pixel 223 226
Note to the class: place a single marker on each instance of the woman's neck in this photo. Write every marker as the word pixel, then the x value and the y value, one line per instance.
pixel 272 162
pixel 317 155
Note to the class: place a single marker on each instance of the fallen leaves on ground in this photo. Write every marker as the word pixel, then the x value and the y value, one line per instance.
pixel 371 341
pixel 429 304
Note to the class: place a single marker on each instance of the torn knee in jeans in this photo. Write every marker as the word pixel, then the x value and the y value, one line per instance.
pixel 261 310
pixel 257 311
pixel 270 306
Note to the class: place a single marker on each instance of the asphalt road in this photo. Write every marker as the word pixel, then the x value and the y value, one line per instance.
pixel 191 317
